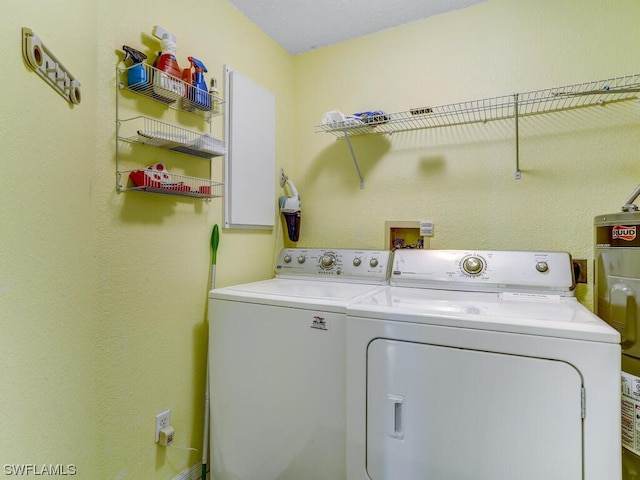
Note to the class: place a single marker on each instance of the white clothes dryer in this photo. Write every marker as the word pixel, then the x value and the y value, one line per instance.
pixel 278 368
pixel 481 365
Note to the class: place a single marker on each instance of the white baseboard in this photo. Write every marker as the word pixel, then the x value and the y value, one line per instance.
pixel 191 473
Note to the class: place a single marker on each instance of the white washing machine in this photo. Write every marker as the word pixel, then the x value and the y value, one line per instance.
pixel 278 368
pixel 481 365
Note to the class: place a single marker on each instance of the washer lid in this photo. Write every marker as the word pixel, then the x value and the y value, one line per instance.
pixel 533 314
pixel 300 293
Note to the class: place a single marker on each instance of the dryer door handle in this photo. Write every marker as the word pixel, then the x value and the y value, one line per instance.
pixel 395 416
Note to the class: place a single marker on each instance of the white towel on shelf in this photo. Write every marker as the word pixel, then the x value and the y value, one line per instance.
pixel 334 116
pixel 339 119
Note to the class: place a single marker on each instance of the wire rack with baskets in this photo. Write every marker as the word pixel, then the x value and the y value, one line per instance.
pixel 177 96
pixel 515 106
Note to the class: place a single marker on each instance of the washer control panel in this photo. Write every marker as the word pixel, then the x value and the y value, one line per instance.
pixel 484 270
pixel 337 264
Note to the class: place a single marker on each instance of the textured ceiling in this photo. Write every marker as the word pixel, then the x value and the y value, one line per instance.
pixel 302 25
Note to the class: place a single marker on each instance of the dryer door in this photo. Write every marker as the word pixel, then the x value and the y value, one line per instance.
pixel 441 413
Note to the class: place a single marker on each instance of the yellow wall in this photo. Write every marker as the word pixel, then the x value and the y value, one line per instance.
pixel 103 294
pixel 49 332
pixel 574 165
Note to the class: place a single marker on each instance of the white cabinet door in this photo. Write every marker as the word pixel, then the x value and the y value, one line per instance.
pixel 441 413
pixel 250 163
pixel 277 392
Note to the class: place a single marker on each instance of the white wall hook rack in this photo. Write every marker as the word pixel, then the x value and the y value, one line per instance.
pixel 49 68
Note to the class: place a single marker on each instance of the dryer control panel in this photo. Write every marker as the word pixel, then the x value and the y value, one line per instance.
pixel 485 270
pixel 370 266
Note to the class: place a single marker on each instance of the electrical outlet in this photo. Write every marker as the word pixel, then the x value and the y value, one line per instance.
pixel 580 270
pixel 163 419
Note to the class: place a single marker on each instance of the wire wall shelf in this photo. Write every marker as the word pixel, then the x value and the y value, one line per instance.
pixel 161 87
pixel 515 106
pixel 146 181
pixel 497 108
pixel 165 135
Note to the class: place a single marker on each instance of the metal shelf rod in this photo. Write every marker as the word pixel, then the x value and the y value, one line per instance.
pixel 355 160
pixel 518 174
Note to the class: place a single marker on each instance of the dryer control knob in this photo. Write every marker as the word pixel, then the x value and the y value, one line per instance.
pixel 373 262
pixel 472 265
pixel 327 260
pixel 287 259
pixel 542 266
pixel 301 259
pixel 357 262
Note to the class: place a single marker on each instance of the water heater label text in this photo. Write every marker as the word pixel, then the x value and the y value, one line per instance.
pixel 623 233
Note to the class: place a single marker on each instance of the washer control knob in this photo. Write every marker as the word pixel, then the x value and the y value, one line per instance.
pixel 287 259
pixel 373 262
pixel 327 260
pixel 472 265
pixel 542 266
pixel 357 262
pixel 301 259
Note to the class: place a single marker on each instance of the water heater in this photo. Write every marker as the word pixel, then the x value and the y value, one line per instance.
pixel 617 255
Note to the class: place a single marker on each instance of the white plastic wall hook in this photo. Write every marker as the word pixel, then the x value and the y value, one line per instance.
pixel 49 68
